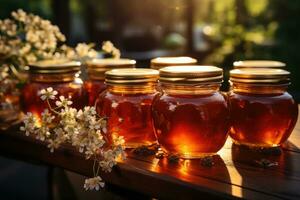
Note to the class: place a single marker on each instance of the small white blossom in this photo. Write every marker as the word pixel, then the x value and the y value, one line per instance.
pixel 29 124
pixel 93 183
pixel 63 102
pixel 47 118
pixel 48 93
pixel 85 50
pixel 108 47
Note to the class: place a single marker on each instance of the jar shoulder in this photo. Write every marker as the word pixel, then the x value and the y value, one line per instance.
pixel 285 96
pixel 106 94
pixel 195 99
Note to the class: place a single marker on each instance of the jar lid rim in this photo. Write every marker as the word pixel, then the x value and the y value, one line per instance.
pixel 191 74
pixel 261 75
pixel 173 60
pixel 110 62
pixel 53 66
pixel 131 75
pixel 258 64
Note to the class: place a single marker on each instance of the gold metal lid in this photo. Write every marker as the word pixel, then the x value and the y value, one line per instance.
pixel 258 64
pixel 191 74
pixel 159 62
pixel 97 67
pixel 260 76
pixel 54 66
pixel 110 63
pixel 131 76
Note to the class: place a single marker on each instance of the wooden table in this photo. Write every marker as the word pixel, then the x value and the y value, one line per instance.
pixel 235 173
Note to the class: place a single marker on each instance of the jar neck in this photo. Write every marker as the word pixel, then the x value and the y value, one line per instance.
pixel 133 89
pixel 53 78
pixel 201 89
pixel 258 89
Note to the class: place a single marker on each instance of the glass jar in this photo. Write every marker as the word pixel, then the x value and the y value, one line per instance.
pixel 263 113
pixel 96 69
pixel 190 114
pixel 259 64
pixel 62 76
pixel 127 103
pixel 160 62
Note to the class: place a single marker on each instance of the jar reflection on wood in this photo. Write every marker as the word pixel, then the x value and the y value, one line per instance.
pixel 62 76
pixel 191 116
pixel 96 69
pixel 127 103
pixel 161 62
pixel 263 113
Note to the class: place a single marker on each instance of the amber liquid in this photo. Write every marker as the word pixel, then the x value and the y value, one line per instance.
pixel 94 88
pixel 192 126
pixel 262 120
pixel 34 104
pixel 129 115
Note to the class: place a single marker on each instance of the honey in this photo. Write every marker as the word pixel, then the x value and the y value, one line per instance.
pixel 96 69
pixel 62 76
pixel 263 113
pixel 160 62
pixel 191 116
pixel 127 104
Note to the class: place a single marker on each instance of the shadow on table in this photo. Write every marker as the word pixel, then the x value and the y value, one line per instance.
pixel 262 169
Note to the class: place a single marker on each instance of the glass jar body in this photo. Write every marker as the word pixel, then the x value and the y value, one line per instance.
pixel 190 121
pixel 72 88
pixel 128 109
pixel 94 88
pixel 261 116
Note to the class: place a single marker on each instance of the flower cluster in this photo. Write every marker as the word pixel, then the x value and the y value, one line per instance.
pixel 26 38
pixel 82 128
pixel 109 48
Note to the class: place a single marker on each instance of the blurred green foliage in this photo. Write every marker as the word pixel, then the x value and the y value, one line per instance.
pixel 39 7
pixel 253 29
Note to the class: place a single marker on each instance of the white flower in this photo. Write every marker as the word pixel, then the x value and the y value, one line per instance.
pixel 20 15
pixel 48 93
pixel 63 102
pixel 53 144
pixel 93 183
pixel 29 123
pixel 85 50
pixel 47 118
pixel 93 124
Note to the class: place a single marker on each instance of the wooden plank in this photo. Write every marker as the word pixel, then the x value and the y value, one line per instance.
pixel 149 178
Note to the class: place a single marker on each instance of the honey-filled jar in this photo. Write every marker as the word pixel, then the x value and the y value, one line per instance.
pixel 62 76
pixel 160 62
pixel 96 68
pixel 190 114
pixel 127 104
pixel 263 113
pixel 258 64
